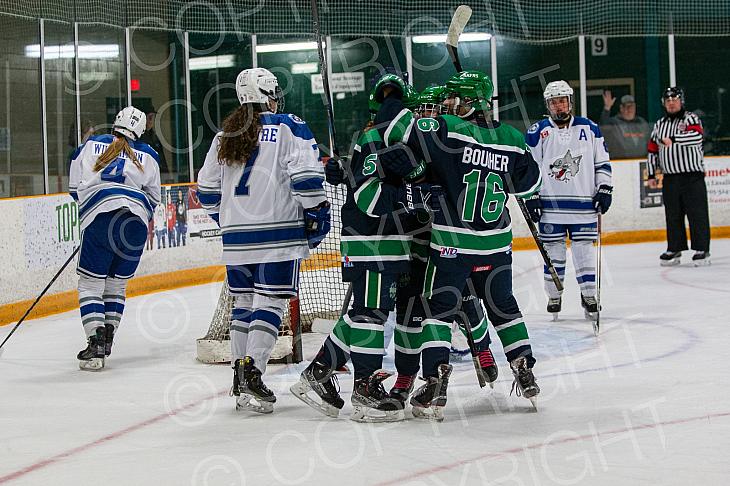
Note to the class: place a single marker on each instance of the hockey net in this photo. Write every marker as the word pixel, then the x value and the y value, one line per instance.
pixel 321 293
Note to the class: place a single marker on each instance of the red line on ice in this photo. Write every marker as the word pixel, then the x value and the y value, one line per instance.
pixel 446 467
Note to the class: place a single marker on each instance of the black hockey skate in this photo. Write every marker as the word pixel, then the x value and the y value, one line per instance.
pixel 554 306
pixel 109 340
pixel 701 258
pixel 524 381
pixel 371 403
pixel 590 306
pixel 92 358
pixel 319 378
pixel 489 367
pixel 429 400
pixel 670 258
pixel 249 389
pixel 402 388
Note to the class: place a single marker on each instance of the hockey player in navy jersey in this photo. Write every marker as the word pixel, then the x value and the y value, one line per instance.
pixel 576 174
pixel 116 181
pixel 478 162
pixel 262 181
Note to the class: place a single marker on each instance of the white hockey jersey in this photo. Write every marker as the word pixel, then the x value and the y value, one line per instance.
pixel 260 205
pixel 574 162
pixel 119 185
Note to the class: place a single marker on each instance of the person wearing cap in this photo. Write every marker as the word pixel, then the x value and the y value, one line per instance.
pixel 150 138
pixel 626 134
pixel 675 146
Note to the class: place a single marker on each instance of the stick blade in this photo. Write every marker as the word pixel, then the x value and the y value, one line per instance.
pixel 458 22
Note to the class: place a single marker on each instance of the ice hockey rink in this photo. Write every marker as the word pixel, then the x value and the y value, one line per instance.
pixel 646 402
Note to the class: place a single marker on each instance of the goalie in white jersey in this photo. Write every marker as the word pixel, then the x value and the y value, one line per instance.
pixel 116 181
pixel 576 175
pixel 262 180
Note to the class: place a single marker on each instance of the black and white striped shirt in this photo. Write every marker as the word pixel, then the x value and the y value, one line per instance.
pixel 685 154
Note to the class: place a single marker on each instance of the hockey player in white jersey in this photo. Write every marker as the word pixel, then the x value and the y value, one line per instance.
pixel 262 181
pixel 116 181
pixel 576 174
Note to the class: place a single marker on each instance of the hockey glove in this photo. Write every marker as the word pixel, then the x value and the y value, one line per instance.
pixel 334 172
pixel 317 223
pixel 420 197
pixel 602 199
pixel 534 207
pixel 389 80
pixel 401 162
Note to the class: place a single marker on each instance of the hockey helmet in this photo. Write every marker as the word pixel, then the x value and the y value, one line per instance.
pixel 130 122
pixel 258 86
pixel 472 89
pixel 431 100
pixel 558 89
pixel 673 92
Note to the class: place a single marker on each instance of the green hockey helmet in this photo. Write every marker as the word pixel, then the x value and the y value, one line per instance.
pixel 430 101
pixel 411 98
pixel 472 89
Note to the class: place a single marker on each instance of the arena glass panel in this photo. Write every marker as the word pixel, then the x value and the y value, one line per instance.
pixel 21 148
pixel 635 67
pixel 362 58
pixel 294 69
pixel 215 61
pixel 158 89
pixel 432 64
pixel 522 71
pixel 60 102
pixel 705 77
pixel 102 77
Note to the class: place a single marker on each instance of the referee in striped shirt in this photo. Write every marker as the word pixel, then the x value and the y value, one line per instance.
pixel 675 145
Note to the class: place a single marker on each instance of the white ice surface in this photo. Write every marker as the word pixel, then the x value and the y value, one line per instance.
pixel 647 402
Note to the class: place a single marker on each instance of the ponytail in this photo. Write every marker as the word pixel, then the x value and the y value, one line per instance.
pixel 240 135
pixel 119 145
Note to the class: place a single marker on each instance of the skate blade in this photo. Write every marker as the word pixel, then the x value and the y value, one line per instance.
pixel 702 263
pixel 300 390
pixel 533 401
pixel 670 263
pixel 491 384
pixel 371 415
pixel 596 328
pixel 252 404
pixel 432 413
pixel 93 364
pixel 555 316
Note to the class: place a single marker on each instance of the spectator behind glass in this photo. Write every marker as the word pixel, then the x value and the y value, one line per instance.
pixel 87 130
pixel 626 134
pixel 150 138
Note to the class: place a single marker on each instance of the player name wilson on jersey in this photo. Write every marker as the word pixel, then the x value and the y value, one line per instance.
pixel 121 184
pixel 280 178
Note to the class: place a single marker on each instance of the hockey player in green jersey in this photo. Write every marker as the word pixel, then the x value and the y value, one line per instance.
pixel 478 162
pixel 375 246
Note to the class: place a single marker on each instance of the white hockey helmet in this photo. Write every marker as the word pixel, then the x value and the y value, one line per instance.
pixel 258 86
pixel 130 122
pixel 558 89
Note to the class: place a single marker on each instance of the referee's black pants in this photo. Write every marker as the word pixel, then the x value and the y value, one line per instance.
pixel 686 195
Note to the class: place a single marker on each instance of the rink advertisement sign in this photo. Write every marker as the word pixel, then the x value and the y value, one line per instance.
pixel 52 228
pixel 717 179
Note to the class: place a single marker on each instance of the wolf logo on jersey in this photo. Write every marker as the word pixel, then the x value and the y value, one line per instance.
pixel 566 167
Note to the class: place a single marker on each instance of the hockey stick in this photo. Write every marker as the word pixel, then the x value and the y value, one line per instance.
pixel 597 323
pixel 545 257
pixel 472 346
pixel 41 295
pixel 330 113
pixel 458 23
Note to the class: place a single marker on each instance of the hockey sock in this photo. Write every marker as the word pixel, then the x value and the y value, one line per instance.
pixel 584 260
pixel 556 251
pixel 435 342
pixel 264 328
pixel 240 322
pixel 115 291
pixel 335 350
pixel 366 339
pixel 91 303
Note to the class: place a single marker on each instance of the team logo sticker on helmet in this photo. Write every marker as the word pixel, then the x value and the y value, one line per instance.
pixel 566 167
